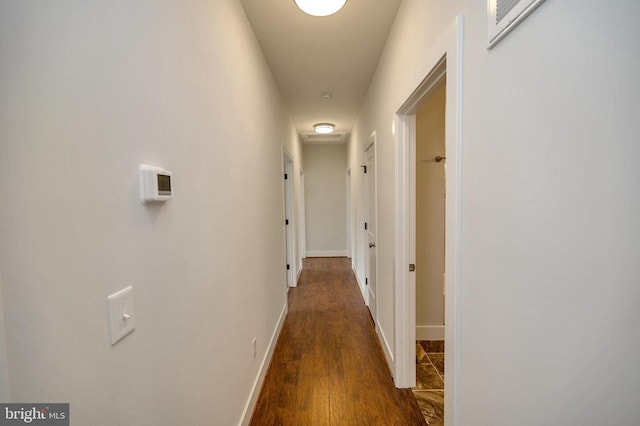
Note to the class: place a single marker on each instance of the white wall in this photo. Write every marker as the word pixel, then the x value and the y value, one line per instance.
pixel 90 90
pixel 325 168
pixel 550 201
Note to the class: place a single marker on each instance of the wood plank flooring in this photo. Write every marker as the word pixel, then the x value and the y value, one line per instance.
pixel 328 367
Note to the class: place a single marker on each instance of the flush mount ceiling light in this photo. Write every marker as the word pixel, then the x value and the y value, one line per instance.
pixel 320 7
pixel 324 128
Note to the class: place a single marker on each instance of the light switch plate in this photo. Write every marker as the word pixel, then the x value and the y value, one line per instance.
pixel 122 320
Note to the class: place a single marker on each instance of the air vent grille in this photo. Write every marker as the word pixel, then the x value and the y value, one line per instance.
pixel 504 7
pixel 504 15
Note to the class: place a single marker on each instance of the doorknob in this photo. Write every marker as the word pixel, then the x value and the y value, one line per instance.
pixel 371 245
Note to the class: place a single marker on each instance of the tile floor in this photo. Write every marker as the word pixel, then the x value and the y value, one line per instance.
pixel 429 390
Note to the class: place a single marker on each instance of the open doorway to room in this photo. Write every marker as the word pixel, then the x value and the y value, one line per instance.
pixel 443 79
pixel 430 160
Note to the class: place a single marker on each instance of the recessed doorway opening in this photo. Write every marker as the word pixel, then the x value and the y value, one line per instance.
pixel 445 74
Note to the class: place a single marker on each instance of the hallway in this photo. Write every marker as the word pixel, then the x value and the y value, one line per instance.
pixel 328 367
pixel 163 313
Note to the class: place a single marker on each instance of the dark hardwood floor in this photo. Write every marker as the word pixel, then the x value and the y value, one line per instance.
pixel 328 367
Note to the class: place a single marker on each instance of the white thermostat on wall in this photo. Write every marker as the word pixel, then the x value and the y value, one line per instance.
pixel 155 184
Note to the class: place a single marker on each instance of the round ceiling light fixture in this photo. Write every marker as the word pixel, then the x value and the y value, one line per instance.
pixel 324 128
pixel 320 7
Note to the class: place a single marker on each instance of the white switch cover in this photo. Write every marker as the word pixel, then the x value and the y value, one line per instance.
pixel 122 321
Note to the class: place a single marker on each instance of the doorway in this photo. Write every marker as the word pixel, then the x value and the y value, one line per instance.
pixel 370 226
pixel 445 59
pixel 430 176
pixel 430 163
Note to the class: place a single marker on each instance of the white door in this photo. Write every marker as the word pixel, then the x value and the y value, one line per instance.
pixel 370 228
pixel 288 223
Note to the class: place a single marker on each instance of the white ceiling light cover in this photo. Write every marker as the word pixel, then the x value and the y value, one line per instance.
pixel 320 7
pixel 323 128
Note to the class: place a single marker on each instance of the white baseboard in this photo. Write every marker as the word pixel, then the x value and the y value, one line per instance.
pixel 388 354
pixel 255 390
pixel 363 289
pixel 299 272
pixel 326 253
pixel 429 332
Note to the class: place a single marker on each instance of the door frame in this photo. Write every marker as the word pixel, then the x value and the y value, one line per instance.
pixel 446 59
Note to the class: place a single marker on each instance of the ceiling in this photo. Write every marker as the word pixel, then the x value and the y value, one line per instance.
pixel 311 55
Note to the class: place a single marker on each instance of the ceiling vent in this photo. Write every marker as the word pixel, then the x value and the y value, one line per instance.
pixel 505 15
pixel 335 137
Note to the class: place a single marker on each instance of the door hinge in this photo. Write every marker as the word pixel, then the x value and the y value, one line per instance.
pixel 365 169
pixel 286 221
pixel 365 226
pixel 412 267
pixel 286 176
pixel 288 266
pixel 366 281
